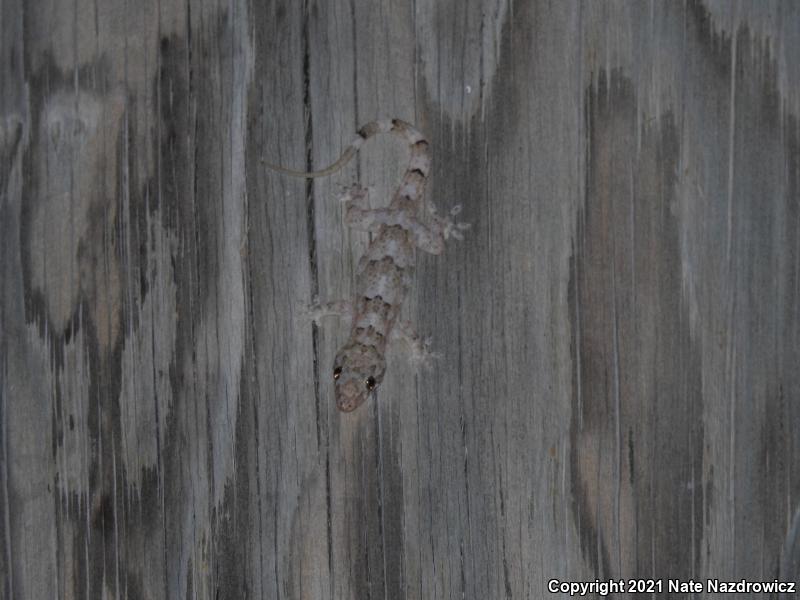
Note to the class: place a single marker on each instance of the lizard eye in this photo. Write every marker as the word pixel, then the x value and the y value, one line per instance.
pixel 370 383
pixel 336 372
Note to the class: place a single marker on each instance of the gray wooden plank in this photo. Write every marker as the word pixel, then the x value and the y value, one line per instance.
pixel 617 393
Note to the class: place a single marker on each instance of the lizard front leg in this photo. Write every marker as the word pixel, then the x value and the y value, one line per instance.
pixel 419 347
pixel 337 308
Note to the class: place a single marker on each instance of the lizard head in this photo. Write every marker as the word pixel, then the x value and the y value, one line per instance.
pixel 357 372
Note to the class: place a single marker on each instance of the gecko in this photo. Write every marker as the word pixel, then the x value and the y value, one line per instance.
pixel 384 273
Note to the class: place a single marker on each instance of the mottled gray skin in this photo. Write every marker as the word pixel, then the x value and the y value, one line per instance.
pixel 385 271
pixel 383 280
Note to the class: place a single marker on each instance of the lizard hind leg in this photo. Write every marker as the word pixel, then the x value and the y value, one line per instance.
pixel 449 227
pixel 357 211
pixel 359 216
pixel 431 238
pixel 446 226
pixel 355 195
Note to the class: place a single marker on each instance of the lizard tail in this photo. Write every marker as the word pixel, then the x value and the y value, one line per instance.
pixel 419 157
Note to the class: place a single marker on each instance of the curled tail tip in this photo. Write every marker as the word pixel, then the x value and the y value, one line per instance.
pixel 340 163
pixel 396 126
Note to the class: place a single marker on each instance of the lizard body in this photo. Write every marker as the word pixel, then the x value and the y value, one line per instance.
pixel 385 272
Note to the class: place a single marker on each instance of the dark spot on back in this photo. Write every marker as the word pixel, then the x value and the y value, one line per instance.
pixel 368 130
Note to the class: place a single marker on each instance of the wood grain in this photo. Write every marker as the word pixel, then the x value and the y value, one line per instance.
pixel 619 389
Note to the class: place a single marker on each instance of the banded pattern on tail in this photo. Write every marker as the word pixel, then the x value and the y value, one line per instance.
pixel 385 271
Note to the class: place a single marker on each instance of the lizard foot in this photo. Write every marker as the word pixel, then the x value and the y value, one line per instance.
pixel 422 355
pixel 356 194
pixel 316 312
pixel 450 228
pixel 419 348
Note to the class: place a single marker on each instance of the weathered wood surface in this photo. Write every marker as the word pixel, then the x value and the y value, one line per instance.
pixel 619 390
